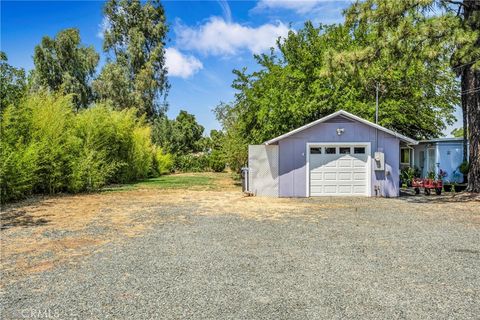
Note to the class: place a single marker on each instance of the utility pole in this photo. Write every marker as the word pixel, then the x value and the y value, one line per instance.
pixel 376 103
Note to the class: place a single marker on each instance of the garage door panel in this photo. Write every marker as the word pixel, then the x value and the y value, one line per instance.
pixel 344 176
pixel 359 176
pixel 357 163
pixel 359 189
pixel 317 183
pixel 345 189
pixel 344 163
pixel 330 188
pixel 330 176
pixel 338 174
pixel 316 175
pixel 330 164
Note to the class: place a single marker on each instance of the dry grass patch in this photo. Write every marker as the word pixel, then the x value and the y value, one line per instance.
pixel 44 232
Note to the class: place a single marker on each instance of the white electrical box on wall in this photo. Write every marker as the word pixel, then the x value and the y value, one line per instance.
pixel 379 160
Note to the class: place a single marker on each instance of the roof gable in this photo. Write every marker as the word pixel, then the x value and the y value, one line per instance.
pixel 335 117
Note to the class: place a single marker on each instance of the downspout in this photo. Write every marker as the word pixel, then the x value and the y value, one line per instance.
pixel 376 117
pixel 378 188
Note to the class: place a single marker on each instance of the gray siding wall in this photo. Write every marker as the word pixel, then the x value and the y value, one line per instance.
pixel 292 153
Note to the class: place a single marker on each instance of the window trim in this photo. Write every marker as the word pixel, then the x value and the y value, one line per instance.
pixel 409 155
pixel 364 150
pixel 335 148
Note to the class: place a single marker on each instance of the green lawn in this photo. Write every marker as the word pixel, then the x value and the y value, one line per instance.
pixel 192 181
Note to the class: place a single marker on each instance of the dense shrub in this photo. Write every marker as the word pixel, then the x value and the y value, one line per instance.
pixel 199 162
pixel 191 162
pixel 37 146
pixel 47 148
pixel 162 162
pixel 216 161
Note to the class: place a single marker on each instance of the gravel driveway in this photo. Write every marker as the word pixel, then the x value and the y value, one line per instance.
pixel 306 259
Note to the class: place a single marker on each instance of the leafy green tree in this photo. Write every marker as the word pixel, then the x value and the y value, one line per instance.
pixel 135 36
pixel 114 86
pixel 312 76
pixel 180 136
pixel 235 140
pixel 62 64
pixel 457 132
pixel 12 83
pixel 434 30
pixel 216 139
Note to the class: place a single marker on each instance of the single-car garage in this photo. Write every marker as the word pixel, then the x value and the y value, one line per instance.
pixel 338 155
pixel 338 169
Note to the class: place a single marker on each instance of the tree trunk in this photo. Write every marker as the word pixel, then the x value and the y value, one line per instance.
pixel 473 105
pixel 465 118
pixel 464 99
pixel 471 80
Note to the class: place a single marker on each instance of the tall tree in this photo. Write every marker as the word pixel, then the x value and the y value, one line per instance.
pixel 136 76
pixel 63 64
pixel 179 136
pixel 12 83
pixel 467 61
pixel 311 77
pixel 436 28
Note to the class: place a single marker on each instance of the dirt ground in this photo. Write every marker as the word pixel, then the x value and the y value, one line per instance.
pixel 41 233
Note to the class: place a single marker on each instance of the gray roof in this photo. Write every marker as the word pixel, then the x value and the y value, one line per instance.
pixel 348 115
pixel 451 139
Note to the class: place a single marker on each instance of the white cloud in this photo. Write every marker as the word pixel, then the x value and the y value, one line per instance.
pixel 181 65
pixel 219 37
pixel 299 6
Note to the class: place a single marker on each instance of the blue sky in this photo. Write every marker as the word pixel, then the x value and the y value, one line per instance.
pixel 207 39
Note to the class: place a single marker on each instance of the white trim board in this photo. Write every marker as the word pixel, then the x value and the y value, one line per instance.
pixel 367 145
pixel 348 115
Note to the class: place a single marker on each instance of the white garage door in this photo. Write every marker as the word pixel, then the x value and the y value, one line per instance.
pixel 338 170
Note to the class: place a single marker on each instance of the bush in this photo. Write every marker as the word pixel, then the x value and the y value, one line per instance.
pixel 162 162
pixel 37 146
pixel 191 162
pixel 464 167
pixel 47 148
pixel 216 161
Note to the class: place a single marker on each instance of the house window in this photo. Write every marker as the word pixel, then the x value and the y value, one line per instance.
pixel 405 155
pixel 330 150
pixel 315 150
pixel 359 150
pixel 344 150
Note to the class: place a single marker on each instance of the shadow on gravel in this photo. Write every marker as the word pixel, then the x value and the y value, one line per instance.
pixel 20 218
pixel 409 195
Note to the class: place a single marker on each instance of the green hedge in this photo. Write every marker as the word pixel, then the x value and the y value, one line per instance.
pixel 199 162
pixel 47 148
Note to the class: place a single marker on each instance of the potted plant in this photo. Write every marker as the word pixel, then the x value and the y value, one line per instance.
pixel 442 174
pixel 453 186
pixel 447 186
pixel 417 173
pixel 464 167
pixel 431 175
pixel 406 176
